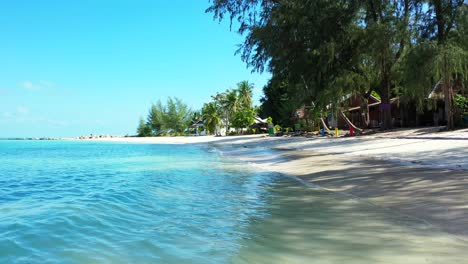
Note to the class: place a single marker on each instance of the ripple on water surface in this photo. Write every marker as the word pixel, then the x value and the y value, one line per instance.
pixel 77 202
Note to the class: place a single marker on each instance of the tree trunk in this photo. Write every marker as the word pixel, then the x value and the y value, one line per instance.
pixel 448 98
pixel 448 94
pixel 404 115
pixel 365 110
pixel 367 121
pixel 385 106
pixel 444 25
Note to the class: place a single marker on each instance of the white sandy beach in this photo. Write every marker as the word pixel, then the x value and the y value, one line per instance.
pixel 418 172
pixel 412 147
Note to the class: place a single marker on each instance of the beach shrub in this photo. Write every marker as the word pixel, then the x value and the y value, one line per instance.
pixel 462 103
pixel 277 128
pixel 243 118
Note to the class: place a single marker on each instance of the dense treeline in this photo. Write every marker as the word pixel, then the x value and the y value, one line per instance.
pixel 230 109
pixel 320 50
pixel 172 118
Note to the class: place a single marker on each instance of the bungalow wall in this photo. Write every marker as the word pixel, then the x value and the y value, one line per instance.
pixel 374 116
pixel 406 115
pixel 403 115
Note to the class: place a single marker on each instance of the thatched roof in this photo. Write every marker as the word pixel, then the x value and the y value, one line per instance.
pixel 198 124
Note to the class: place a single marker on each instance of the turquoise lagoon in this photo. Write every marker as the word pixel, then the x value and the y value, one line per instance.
pixel 82 202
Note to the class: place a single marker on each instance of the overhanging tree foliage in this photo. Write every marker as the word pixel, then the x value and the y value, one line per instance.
pixel 320 50
pixel 439 53
pixel 307 45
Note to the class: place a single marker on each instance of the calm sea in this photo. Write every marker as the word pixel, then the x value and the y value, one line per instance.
pixel 81 202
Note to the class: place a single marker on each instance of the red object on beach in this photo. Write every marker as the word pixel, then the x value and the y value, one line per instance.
pixel 351 131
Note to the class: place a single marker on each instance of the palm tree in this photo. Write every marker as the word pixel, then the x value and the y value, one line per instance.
pixel 244 90
pixel 232 101
pixel 211 117
pixel 228 103
pixel 231 105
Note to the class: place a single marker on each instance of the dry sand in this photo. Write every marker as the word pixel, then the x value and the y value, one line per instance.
pixel 414 172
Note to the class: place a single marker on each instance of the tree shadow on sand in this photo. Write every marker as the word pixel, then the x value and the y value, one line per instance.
pixel 312 225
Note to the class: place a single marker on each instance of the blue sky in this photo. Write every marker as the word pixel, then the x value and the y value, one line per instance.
pixel 70 68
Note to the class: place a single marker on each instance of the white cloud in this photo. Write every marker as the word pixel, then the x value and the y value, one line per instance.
pixel 30 85
pixel 39 85
pixel 22 110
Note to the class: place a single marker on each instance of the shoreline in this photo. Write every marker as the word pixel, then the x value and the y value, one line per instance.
pixel 422 177
pixel 422 147
pixel 408 191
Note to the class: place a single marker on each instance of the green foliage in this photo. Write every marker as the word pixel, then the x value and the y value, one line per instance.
pixel 196 116
pixel 245 113
pixel 227 103
pixel 233 107
pixel 243 118
pixel 244 90
pixel 177 116
pixel 319 52
pixel 171 119
pixel 156 117
pixel 211 115
pixel 376 95
pixel 303 124
pixel 277 128
pixel 462 103
pixel 270 120
pixel 144 129
pixel 439 54
pixel 300 42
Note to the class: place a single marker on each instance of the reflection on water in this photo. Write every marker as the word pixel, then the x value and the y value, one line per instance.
pixel 75 202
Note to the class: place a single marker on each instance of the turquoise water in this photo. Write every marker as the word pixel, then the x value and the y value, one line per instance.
pixel 81 202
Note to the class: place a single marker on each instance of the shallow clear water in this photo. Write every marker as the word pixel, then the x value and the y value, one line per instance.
pixel 78 202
